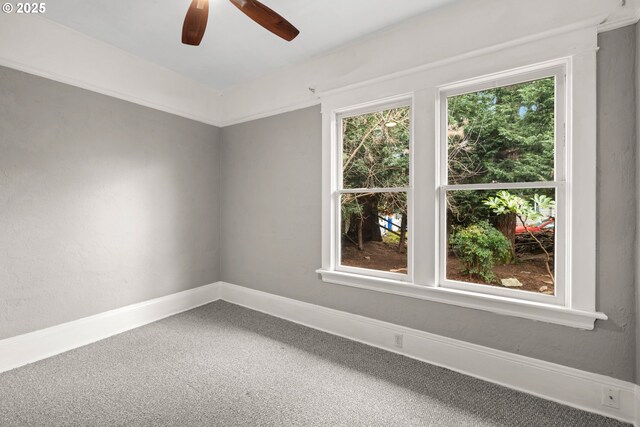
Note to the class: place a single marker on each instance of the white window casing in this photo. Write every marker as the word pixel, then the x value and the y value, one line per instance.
pixel 571 57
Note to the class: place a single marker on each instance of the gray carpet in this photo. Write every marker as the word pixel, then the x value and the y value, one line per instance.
pixel 223 365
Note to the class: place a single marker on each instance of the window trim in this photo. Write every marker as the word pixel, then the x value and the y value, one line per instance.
pixel 577 47
pixel 575 318
pixel 557 70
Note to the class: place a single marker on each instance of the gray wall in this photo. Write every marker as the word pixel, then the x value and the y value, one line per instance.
pixel 103 203
pixel 271 240
pixel 637 153
pixel 616 253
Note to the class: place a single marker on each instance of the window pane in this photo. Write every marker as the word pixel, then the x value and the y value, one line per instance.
pixel 504 134
pixel 374 231
pixel 502 238
pixel 375 149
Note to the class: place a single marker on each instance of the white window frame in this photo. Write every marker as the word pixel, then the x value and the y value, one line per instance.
pixel 340 115
pixel 562 107
pixel 575 50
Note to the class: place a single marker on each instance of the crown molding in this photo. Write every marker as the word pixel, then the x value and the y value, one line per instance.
pixel 363 62
pixel 273 112
pixel 48 49
pixel 6 62
pixel 44 48
pixel 613 23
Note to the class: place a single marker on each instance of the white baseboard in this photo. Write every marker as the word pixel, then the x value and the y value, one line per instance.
pixel 637 420
pixel 568 386
pixel 562 384
pixel 31 347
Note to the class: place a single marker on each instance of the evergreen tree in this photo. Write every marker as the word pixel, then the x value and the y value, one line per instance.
pixel 375 154
pixel 502 135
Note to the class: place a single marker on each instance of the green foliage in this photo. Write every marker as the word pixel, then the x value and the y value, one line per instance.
pixel 504 134
pixel 375 155
pixel 392 239
pixel 504 203
pixel 479 247
pixel 350 209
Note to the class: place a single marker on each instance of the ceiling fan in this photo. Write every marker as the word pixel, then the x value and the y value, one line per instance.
pixel 195 23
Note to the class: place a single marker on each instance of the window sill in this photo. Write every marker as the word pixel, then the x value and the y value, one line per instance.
pixel 500 305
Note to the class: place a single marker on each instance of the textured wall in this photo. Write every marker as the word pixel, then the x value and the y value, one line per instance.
pixel 103 203
pixel 616 184
pixel 637 153
pixel 271 202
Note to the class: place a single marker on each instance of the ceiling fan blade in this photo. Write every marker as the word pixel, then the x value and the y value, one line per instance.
pixel 195 23
pixel 267 18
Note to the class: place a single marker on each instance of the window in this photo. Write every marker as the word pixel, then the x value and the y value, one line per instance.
pixel 502 186
pixel 374 190
pixel 484 168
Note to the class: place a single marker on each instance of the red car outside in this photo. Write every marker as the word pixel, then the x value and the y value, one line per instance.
pixel 545 225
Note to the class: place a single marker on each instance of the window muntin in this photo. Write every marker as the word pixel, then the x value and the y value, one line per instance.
pixel 373 195
pixel 502 145
pixel 574 304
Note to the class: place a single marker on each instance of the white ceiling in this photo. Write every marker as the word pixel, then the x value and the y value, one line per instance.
pixel 234 48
